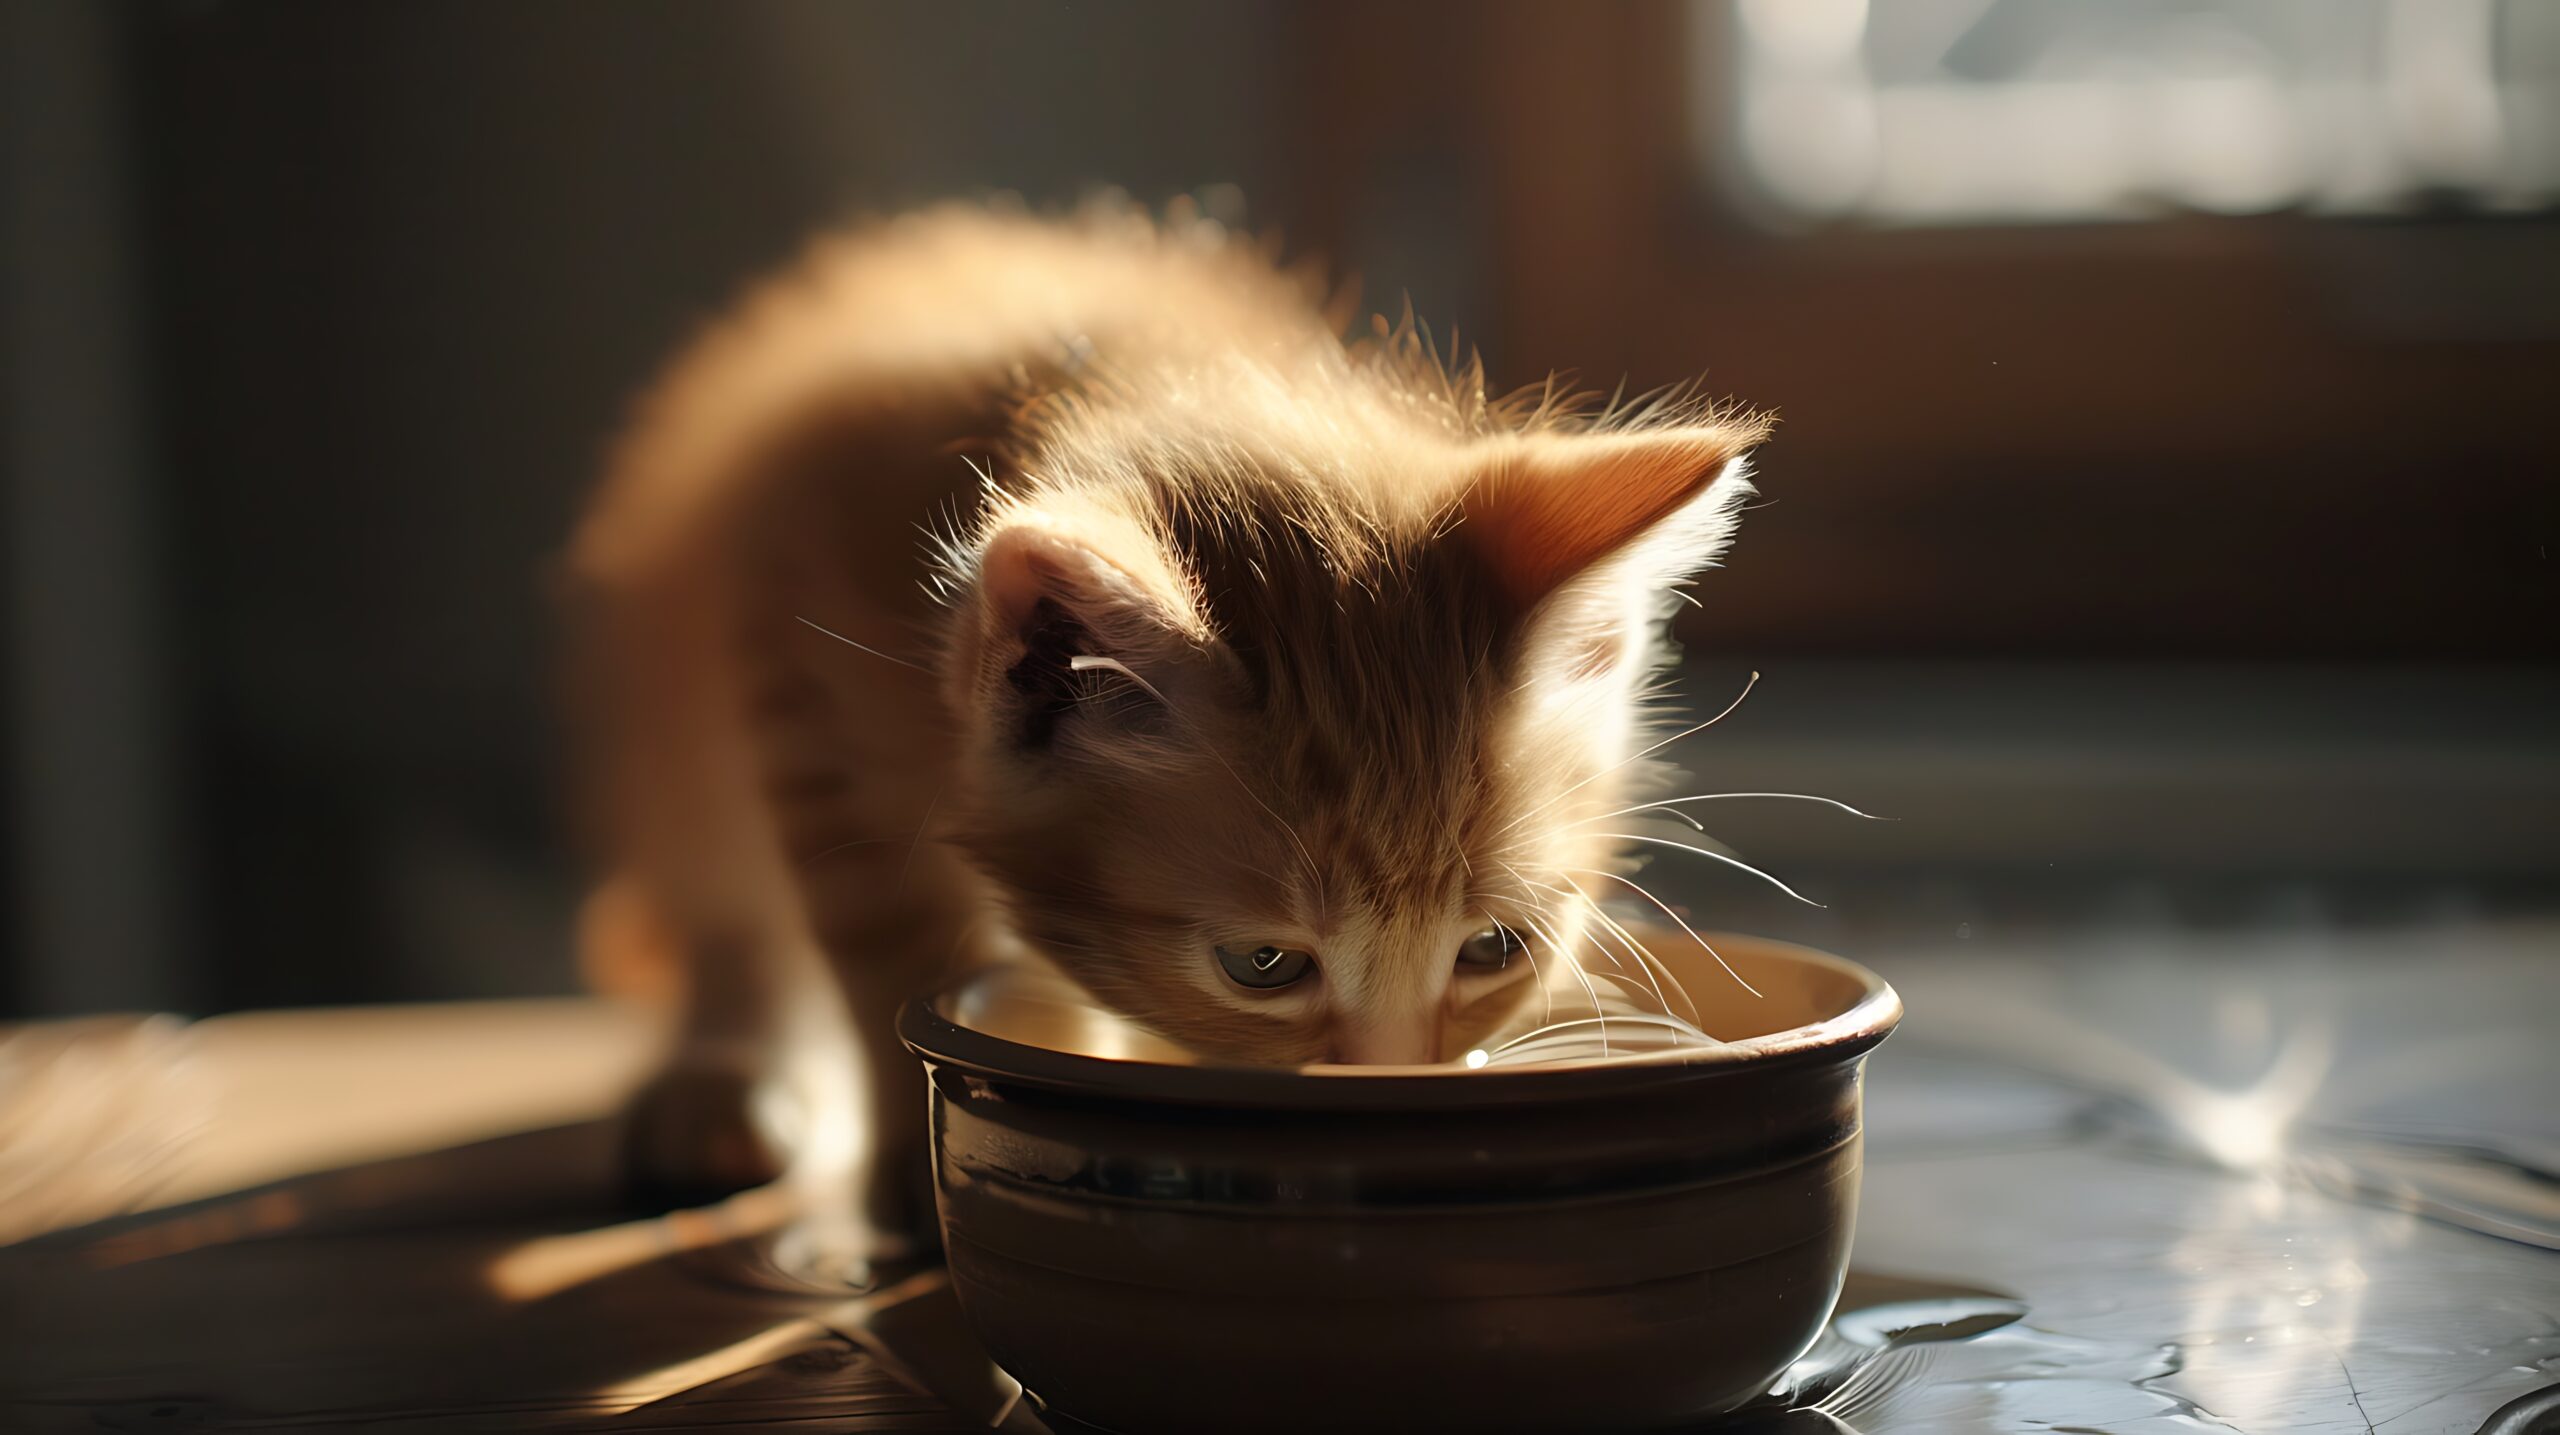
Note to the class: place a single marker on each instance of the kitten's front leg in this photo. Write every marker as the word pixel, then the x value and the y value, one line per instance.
pixel 709 1124
pixel 764 1084
pixel 741 1092
pixel 892 928
pixel 723 1115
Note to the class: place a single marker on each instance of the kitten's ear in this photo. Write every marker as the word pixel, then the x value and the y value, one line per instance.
pixel 1054 592
pixel 1557 506
pixel 1115 586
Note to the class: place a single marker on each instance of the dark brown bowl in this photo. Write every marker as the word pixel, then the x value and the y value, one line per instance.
pixel 1619 1243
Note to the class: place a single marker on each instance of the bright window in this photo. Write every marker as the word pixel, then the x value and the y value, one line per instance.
pixel 2030 111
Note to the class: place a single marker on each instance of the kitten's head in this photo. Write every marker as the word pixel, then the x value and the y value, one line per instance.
pixel 1295 768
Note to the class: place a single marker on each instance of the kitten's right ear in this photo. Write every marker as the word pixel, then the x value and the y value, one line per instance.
pixel 1555 507
pixel 1055 591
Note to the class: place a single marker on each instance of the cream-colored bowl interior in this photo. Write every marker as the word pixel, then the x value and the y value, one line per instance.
pixel 1762 996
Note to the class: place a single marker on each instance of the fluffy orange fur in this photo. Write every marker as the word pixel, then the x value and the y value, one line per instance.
pixel 1229 633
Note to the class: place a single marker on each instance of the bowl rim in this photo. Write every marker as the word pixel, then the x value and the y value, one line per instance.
pixel 942 1043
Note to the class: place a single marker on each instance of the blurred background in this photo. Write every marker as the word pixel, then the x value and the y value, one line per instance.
pixel 2160 527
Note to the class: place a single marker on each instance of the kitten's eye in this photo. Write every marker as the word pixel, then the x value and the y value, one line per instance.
pixel 1489 950
pixel 1265 969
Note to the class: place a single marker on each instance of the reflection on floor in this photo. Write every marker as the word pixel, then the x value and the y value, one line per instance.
pixel 2167 1209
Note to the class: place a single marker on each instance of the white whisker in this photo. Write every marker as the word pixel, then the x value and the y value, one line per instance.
pixel 1666 1023
pixel 1569 897
pixel 866 647
pixel 1655 973
pixel 1546 998
pixel 1559 1039
pixel 1735 862
pixel 1676 917
pixel 1648 752
pixel 1647 954
pixel 1634 948
pixel 1672 804
pixel 1573 964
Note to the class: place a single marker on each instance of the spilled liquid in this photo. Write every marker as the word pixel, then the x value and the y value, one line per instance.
pixel 1905 1355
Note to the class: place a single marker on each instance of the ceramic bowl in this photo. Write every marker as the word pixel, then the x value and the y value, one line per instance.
pixel 1621 1242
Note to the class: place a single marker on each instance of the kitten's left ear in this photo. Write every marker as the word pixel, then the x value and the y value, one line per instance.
pixel 1105 578
pixel 1658 503
pixel 1062 593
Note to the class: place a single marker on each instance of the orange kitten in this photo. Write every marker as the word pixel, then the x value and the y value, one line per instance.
pixel 1268 686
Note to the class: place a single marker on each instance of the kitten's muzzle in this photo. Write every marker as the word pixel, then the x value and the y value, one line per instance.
pixel 1396 1041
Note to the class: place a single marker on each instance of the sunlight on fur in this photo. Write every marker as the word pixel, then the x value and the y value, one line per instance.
pixel 1294 695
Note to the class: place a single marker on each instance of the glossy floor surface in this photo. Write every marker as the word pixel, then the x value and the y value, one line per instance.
pixel 2257 1181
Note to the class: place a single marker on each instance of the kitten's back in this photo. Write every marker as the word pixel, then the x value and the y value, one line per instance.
pixel 939 319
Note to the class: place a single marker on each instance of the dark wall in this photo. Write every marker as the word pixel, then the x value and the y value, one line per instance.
pixel 395 270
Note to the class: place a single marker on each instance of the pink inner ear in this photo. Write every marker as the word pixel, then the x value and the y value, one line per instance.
pixel 1025 564
pixel 1547 514
pixel 1021 566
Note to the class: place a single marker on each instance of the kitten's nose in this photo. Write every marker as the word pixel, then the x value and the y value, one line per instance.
pixel 1413 1041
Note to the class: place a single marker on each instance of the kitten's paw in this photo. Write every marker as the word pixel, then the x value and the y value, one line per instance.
pixel 699 1131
